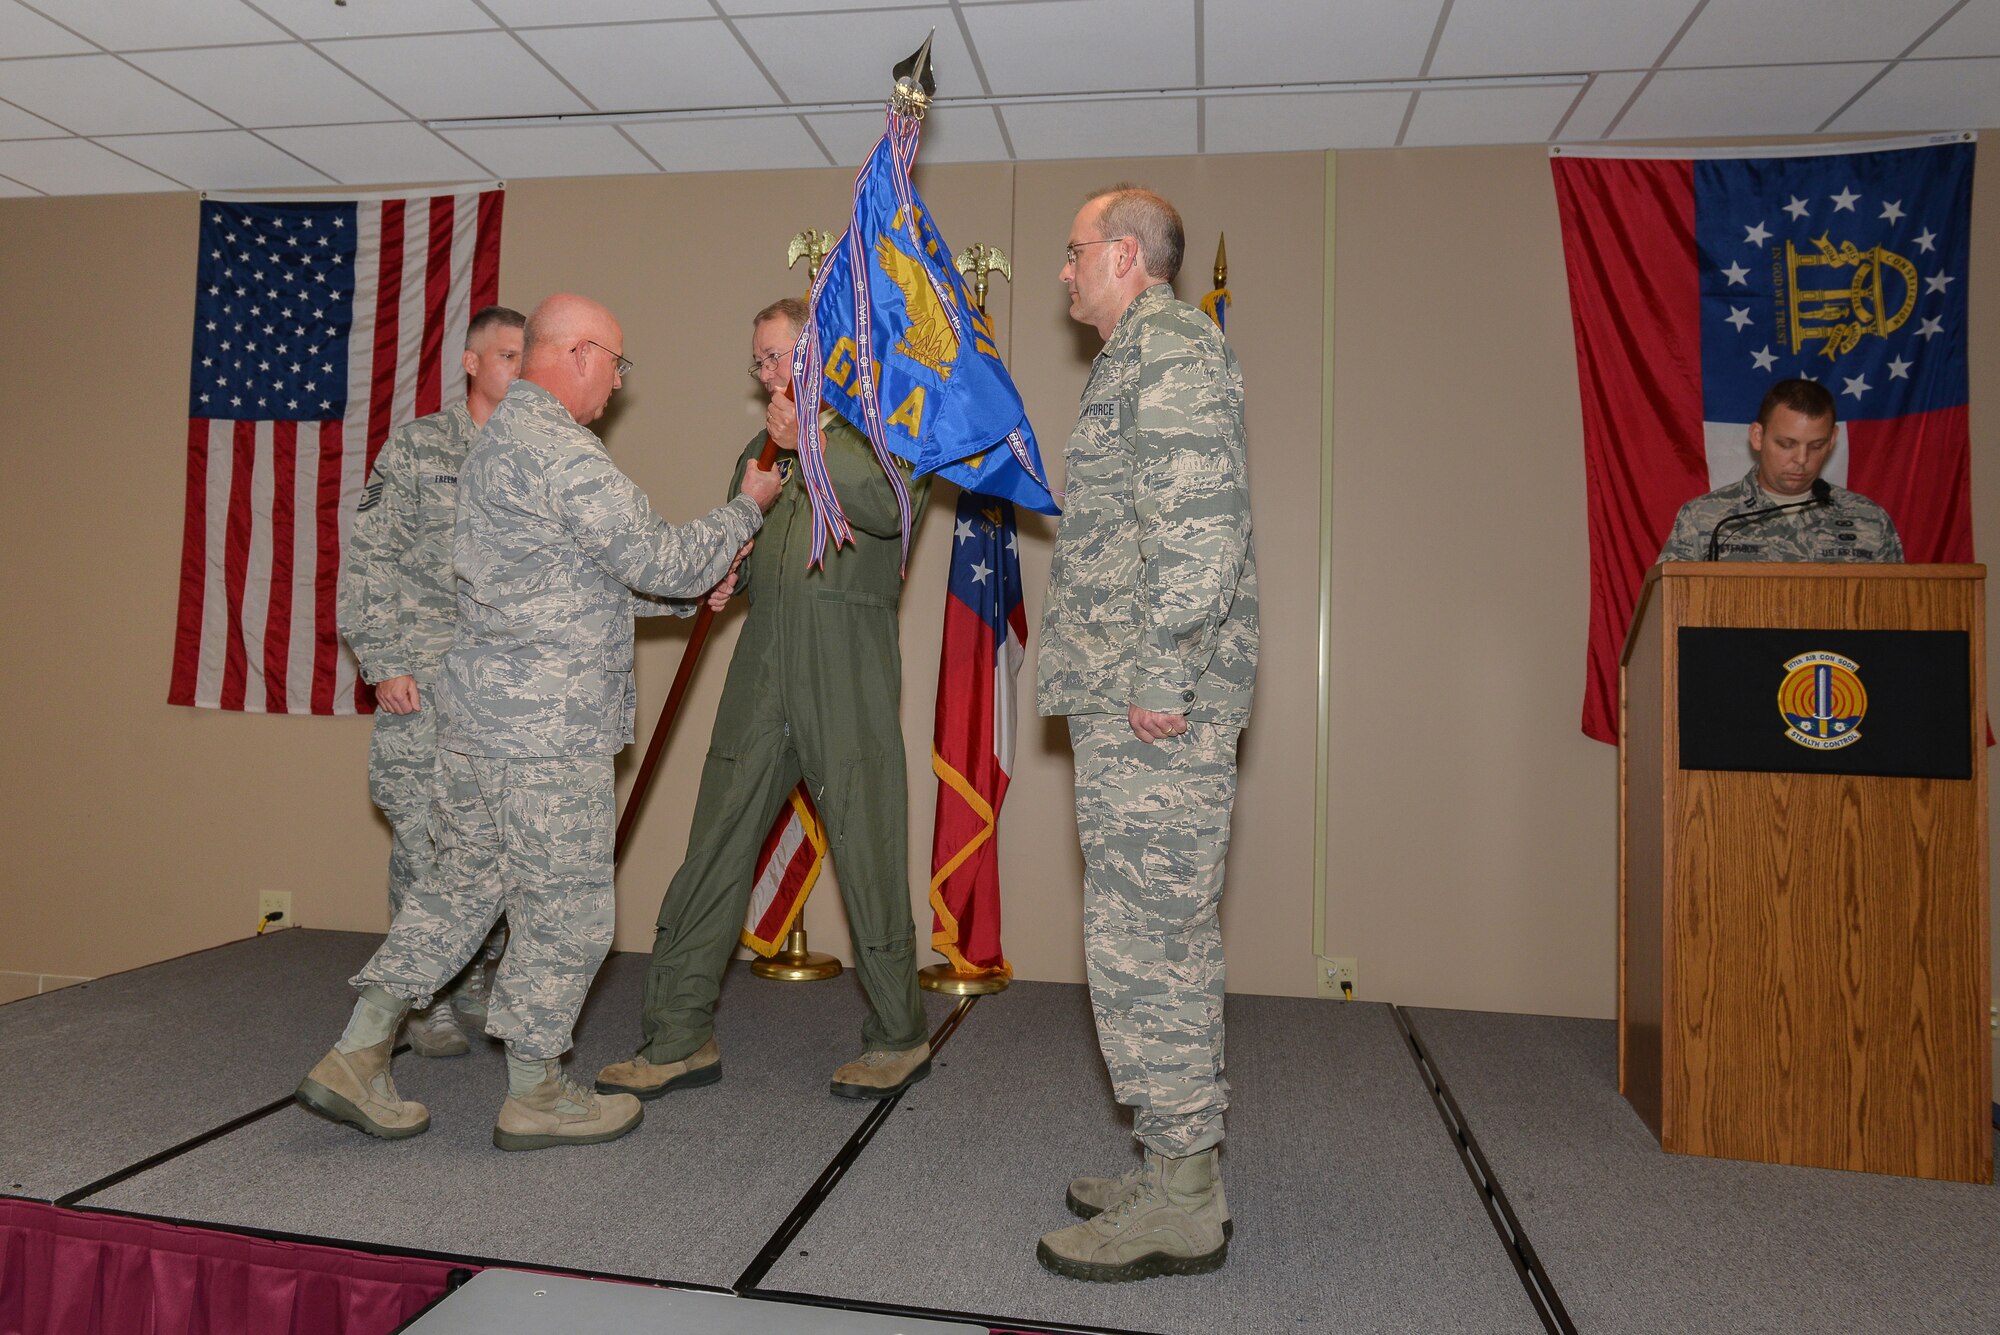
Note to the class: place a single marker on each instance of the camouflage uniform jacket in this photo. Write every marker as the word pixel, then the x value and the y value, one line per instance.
pixel 398 598
pixel 552 542
pixel 1153 591
pixel 1848 527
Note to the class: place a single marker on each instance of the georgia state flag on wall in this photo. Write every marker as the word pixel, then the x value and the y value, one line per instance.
pixel 1699 281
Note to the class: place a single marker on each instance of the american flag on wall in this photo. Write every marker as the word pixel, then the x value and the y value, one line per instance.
pixel 319 327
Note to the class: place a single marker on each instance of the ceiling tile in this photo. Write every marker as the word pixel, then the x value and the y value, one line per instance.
pixel 463 74
pixel 1753 32
pixel 18 124
pixel 552 150
pixel 377 154
pixel 849 57
pixel 123 25
pixel 740 7
pixel 1313 41
pixel 654 66
pixel 1116 129
pixel 1487 116
pixel 1929 95
pixel 75 167
pixel 1683 104
pixel 541 14
pixel 1557 37
pixel 268 85
pixel 1304 121
pixel 754 143
pixel 1063 46
pixel 314 19
pixel 15 190
pixel 26 33
pixel 218 160
pixel 1972 31
pixel 951 134
pixel 99 95
pixel 1606 96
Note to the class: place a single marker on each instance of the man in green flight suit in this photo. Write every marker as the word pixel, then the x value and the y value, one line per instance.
pixel 814 689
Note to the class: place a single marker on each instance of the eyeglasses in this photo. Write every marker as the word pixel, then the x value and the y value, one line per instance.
pixel 1069 251
pixel 757 364
pixel 624 366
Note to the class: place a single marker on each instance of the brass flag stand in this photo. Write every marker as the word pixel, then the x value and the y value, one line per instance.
pixel 980 261
pixel 798 962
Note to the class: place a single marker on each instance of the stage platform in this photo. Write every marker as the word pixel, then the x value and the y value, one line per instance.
pixel 1389 1170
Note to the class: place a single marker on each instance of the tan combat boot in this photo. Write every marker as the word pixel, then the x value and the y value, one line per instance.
pixel 561 1112
pixel 434 1032
pixel 649 1080
pixel 1089 1197
pixel 1169 1223
pixel 880 1075
pixel 355 1088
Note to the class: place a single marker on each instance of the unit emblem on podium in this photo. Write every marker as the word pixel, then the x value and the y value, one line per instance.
pixel 1822 701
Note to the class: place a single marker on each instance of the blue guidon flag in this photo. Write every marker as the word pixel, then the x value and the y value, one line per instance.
pixel 896 346
pixel 1700 279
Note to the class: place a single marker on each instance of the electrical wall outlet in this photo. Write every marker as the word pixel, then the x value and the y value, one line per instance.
pixel 276 901
pixel 1339 977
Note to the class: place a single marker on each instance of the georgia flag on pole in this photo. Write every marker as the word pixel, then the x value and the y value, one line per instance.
pixel 1698 280
pixel 972 752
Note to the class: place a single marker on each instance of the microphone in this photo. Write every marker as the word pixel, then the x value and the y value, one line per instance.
pixel 1822 494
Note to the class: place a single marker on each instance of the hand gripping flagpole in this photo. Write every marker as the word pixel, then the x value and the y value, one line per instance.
pixel 980 261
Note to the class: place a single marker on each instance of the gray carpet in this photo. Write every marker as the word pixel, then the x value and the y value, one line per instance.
pixel 1352 1210
pixel 139 1062
pixel 1637 1240
pixel 690 1196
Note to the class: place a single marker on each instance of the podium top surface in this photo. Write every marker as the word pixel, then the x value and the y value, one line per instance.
pixel 1829 570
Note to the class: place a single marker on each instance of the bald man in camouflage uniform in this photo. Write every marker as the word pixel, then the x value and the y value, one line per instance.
pixel 1792 442
pixel 556 551
pixel 1149 646
pixel 397 605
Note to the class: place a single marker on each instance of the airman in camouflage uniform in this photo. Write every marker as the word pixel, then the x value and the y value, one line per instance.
pixel 397 604
pixel 1149 646
pixel 556 550
pixel 1793 440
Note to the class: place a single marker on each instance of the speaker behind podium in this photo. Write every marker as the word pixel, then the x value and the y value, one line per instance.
pixel 1803 916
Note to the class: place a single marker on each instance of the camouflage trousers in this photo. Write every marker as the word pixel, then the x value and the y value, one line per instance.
pixel 531 837
pixel 1153 819
pixel 402 765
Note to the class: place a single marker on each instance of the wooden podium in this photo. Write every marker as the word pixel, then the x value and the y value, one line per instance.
pixel 1802 957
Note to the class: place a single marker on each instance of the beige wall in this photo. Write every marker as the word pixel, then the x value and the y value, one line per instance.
pixel 1472 839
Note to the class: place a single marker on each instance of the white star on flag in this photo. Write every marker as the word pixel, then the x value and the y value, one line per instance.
pixel 1937 282
pixel 1844 200
pixel 962 531
pixel 1929 327
pixel 1893 212
pixel 980 572
pixel 1926 239
pixel 1797 208
pixel 1738 316
pixel 1900 369
pixel 1856 385
pixel 1737 275
pixel 1764 360
pixel 1756 236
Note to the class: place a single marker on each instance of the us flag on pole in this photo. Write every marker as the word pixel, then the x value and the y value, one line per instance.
pixel 972 753
pixel 787 866
pixel 319 327
pixel 1698 280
